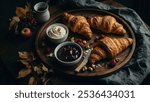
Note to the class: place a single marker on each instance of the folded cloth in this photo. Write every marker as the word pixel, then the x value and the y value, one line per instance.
pixel 139 66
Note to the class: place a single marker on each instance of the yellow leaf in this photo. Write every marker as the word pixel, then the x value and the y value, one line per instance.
pixel 16 18
pixel 20 12
pixel 45 69
pixel 24 72
pixel 14 22
pixel 32 81
pixel 26 63
pixel 26 56
pixel 39 71
pixel 35 68
pixel 28 7
pixel 23 55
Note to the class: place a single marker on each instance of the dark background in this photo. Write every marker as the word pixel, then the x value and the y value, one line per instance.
pixel 7 10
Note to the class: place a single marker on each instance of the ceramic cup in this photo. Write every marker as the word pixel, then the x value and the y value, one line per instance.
pixel 41 11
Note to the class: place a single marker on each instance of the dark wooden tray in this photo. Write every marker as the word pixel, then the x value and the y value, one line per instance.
pixel 125 56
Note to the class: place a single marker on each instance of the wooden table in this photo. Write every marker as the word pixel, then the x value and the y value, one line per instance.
pixel 8 53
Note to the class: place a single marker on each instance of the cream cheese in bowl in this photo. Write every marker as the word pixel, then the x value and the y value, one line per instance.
pixel 57 32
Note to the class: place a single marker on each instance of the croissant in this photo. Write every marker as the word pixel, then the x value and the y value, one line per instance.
pixel 97 54
pixel 108 48
pixel 78 24
pixel 106 24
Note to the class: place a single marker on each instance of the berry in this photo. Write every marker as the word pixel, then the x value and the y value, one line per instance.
pixel 114 62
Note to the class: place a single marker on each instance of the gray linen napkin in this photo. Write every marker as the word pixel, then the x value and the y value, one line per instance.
pixel 139 66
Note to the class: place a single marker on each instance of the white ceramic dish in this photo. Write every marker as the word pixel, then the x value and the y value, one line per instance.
pixel 57 40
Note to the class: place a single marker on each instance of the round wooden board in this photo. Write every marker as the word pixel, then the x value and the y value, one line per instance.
pixel 125 56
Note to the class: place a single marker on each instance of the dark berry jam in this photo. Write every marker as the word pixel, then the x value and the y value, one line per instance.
pixel 69 53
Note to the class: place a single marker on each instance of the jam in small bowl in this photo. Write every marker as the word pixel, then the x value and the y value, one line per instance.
pixel 68 53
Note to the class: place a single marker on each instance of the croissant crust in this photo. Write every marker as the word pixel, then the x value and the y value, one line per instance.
pixel 78 24
pixel 109 47
pixel 106 24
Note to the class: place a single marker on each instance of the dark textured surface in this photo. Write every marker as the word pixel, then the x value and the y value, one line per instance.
pixel 9 45
pixel 140 6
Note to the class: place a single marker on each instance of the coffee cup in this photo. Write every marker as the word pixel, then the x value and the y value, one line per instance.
pixel 41 11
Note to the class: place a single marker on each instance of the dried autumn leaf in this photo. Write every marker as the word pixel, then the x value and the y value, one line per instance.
pixel 24 72
pixel 32 56
pixel 43 79
pixel 32 81
pixel 39 71
pixel 26 56
pixel 20 12
pixel 28 7
pixel 14 22
pixel 45 69
pixel 35 68
pixel 16 18
pixel 26 63
pixel 23 55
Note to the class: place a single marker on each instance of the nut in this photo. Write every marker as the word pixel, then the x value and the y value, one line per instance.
pixel 87 47
pixel 72 39
pixel 99 65
pixel 90 69
pixel 93 66
pixel 84 53
pixel 84 42
pixel 87 51
pixel 84 69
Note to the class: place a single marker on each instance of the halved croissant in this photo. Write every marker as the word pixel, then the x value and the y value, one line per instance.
pixel 108 48
pixel 78 24
pixel 97 54
pixel 106 24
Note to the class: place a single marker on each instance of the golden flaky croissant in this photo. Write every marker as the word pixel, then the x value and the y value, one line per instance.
pixel 106 24
pixel 109 47
pixel 78 24
pixel 97 54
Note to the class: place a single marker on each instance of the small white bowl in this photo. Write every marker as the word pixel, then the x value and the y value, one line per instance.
pixel 57 40
pixel 68 63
